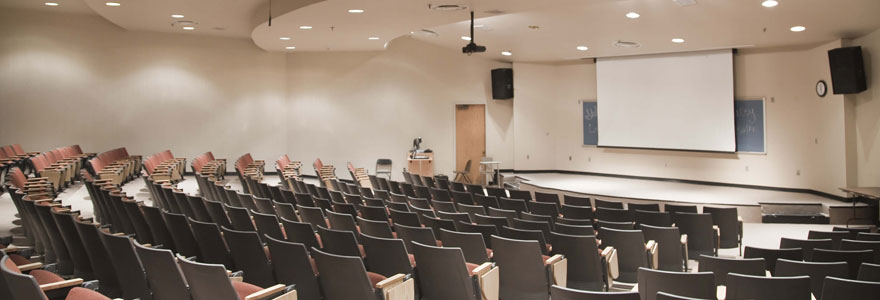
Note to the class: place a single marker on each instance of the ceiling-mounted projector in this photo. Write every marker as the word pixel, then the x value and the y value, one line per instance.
pixel 472 47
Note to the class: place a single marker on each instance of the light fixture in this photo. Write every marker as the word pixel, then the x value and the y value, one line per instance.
pixel 51 4
pixel 506 53
pixel 113 4
pixel 678 40
pixel 583 48
pixel 798 28
pixel 355 11
pixel 290 47
pixel 633 15
pixel 284 38
pixel 373 38
pixel 305 27
pixel 177 16
pixel 188 28
pixel 466 38
pixel 770 3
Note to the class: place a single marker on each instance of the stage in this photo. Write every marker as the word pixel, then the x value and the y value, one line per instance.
pixel 747 200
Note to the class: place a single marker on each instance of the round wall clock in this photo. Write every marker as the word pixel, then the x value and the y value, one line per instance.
pixel 821 88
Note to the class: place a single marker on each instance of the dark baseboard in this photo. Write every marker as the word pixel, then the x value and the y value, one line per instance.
pixel 712 183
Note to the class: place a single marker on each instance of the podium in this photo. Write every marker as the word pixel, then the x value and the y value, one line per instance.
pixel 421 164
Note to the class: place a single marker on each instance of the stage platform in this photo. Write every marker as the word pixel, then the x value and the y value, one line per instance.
pixel 747 200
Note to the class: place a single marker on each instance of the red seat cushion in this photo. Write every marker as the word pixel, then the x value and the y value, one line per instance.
pixel 544 259
pixel 490 253
pixel 79 293
pixel 412 259
pixel 44 277
pixel 244 289
pixel 18 259
pixel 361 248
pixel 470 267
pixel 314 265
pixel 375 278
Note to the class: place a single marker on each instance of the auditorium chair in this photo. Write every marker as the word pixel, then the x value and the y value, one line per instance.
pixel 699 285
pixel 212 247
pixel 671 247
pixel 632 251
pixel 581 222
pixel 608 204
pixel 472 245
pixel 447 207
pixel 444 273
pixel 527 235
pixel 44 287
pixel 759 287
pixel 722 266
pixel 443 183
pixel 211 282
pixel 577 212
pixel 454 217
pixel 64 263
pixel 344 278
pixel 525 273
pixel 846 289
pixel 653 218
pixel 613 214
pixel 869 272
pixel 816 270
pixel 340 242
pixel 486 201
pixel 471 210
pixel 862 236
pixel 520 194
pixel 771 255
pixel 582 230
pixel 104 272
pixel 267 225
pixel 475 189
pixel 806 245
pixel 462 197
pixel 374 228
pixel 419 202
pixel 249 256
pixel 506 213
pixel 835 236
pixel 293 266
pixel 615 225
pixel 496 221
pixel 544 226
pixel 563 293
pixel 441 195
pixel 386 256
pixel 703 236
pixel 643 207
pixel 163 275
pixel 543 208
pixel 82 266
pixel 404 218
pixel 589 268
pixel 497 192
pixel 862 245
pixel 301 233
pixel 184 242
pixel 576 200
pixel 128 267
pixel 548 198
pixel 853 258
pixel 411 234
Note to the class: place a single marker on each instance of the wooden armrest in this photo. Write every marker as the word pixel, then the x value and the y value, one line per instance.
pixel 266 293
pixel 489 279
pixel 61 284
pixel 558 269
pixel 397 287
pixel 482 269
pixel 610 255
pixel 396 279
pixel 651 249
pixel 30 266
pixel 684 248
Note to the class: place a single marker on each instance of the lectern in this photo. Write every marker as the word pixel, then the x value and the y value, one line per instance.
pixel 420 163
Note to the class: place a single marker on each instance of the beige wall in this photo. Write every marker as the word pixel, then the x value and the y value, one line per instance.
pixel 804 132
pixel 866 106
pixel 78 79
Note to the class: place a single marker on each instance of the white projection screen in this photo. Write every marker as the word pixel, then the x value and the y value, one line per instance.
pixel 680 101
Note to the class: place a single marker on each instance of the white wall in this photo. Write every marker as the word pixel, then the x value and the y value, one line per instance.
pixel 867 114
pixel 78 79
pixel 804 132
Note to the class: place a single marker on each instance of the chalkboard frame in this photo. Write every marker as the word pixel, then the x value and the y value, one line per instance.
pixel 583 134
pixel 764 111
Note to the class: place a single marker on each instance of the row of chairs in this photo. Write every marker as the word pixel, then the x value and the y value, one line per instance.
pixel 247 167
pixel 60 166
pixel 14 156
pixel 206 165
pixel 116 165
pixel 288 170
pixel 164 166
pixel 326 173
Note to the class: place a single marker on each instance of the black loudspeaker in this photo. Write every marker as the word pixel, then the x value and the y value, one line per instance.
pixel 847 70
pixel 502 83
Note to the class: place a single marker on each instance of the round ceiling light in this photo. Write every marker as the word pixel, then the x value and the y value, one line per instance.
pixel 633 15
pixel 583 48
pixel 373 38
pixel 798 28
pixel 188 28
pixel 305 27
pixel 284 38
pixel 177 16
pixel 625 44
pixel 466 38
pixel 355 11
pixel 770 3
pixel 113 4
pixel 506 53
pixel 290 47
pixel 51 4
pixel 678 40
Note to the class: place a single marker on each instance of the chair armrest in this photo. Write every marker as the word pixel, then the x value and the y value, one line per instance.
pixel 558 269
pixel 684 248
pixel 487 275
pixel 651 251
pixel 613 270
pixel 717 238
pixel 30 266
pixel 739 223
pixel 61 284
pixel 266 293
pixel 397 287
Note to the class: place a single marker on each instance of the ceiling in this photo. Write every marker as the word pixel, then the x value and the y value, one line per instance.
pixel 505 24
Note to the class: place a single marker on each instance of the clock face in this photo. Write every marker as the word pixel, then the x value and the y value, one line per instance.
pixel 821 88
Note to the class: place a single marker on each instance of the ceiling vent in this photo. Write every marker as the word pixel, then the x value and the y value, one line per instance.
pixel 447 7
pixel 427 32
pixel 627 45
pixel 494 12
pixel 182 23
pixel 685 2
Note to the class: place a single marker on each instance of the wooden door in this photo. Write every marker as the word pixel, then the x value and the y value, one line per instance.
pixel 470 137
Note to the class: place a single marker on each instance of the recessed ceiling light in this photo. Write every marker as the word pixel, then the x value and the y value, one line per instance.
pixel 798 28
pixel 678 40
pixel 284 38
pixel 506 53
pixel 356 11
pixel 112 4
pixel 188 28
pixel 290 47
pixel 466 38
pixel 305 27
pixel 51 4
pixel 177 16
pixel 633 15
pixel 583 48
pixel 770 3
pixel 373 38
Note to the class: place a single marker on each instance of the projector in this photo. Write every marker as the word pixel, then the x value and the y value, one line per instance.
pixel 472 48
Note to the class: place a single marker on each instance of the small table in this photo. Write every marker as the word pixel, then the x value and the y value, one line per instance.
pixel 494 166
pixel 861 192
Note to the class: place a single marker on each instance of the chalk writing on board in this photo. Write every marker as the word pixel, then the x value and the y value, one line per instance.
pixel 591 124
pixel 749 118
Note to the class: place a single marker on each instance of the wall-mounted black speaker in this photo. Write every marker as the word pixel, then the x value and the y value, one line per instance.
pixel 847 70
pixel 502 83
